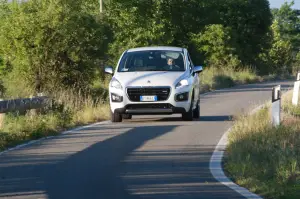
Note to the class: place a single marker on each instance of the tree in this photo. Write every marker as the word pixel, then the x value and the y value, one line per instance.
pixel 250 22
pixel 156 22
pixel 137 23
pixel 288 25
pixel 288 20
pixel 281 51
pixel 50 44
pixel 217 45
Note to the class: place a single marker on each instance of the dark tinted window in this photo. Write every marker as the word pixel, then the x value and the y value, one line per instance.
pixel 152 61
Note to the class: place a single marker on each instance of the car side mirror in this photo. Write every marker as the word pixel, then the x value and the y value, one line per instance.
pixel 198 69
pixel 109 70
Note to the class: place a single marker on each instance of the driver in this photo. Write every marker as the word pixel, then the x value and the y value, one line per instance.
pixel 171 64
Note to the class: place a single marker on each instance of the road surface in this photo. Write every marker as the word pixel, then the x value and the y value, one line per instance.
pixel 147 157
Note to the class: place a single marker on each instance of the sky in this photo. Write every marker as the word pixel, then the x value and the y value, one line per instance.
pixel 278 3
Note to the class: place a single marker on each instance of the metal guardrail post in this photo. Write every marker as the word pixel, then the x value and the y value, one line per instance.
pixel 276 106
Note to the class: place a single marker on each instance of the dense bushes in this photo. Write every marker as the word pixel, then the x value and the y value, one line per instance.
pixel 177 22
pixel 48 45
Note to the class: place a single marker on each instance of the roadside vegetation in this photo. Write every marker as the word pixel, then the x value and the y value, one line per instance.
pixel 263 158
pixel 60 48
pixel 68 110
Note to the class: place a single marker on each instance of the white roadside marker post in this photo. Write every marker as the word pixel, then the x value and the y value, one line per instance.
pixel 296 90
pixel 276 105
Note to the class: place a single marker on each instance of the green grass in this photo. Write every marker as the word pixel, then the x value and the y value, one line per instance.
pixel 265 159
pixel 69 110
pixel 215 78
pixel 289 108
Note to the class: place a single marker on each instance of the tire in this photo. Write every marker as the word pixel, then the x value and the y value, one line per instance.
pixel 116 117
pixel 196 113
pixel 127 116
pixel 188 116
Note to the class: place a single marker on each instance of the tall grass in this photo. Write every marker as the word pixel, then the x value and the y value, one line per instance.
pixel 69 109
pixel 263 158
pixel 217 77
pixel 83 108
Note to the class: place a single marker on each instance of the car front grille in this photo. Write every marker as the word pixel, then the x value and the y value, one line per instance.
pixel 162 93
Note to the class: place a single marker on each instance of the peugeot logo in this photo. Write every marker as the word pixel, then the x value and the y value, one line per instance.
pixel 149 82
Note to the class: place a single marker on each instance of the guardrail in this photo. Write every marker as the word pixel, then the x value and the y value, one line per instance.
pixel 24 104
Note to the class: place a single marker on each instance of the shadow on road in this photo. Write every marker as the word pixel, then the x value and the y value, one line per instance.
pixel 94 169
pixel 104 168
pixel 217 118
pixel 174 174
pixel 213 118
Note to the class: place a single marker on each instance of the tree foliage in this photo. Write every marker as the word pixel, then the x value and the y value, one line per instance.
pixel 48 44
pixel 281 51
pixel 288 26
pixel 217 45
pixel 156 22
pixel 288 20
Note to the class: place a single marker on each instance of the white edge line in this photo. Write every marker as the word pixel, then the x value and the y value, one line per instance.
pixel 215 164
pixel 49 137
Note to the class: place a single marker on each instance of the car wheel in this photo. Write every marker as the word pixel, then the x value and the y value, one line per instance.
pixel 188 116
pixel 196 113
pixel 116 117
pixel 127 116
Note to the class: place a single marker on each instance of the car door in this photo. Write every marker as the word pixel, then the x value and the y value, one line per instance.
pixel 196 80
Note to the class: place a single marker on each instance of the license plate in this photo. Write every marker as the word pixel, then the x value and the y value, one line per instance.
pixel 148 98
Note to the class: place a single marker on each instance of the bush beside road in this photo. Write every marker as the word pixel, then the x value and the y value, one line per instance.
pixel 70 110
pixel 263 158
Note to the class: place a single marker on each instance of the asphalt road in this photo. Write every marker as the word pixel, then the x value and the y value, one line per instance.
pixel 147 157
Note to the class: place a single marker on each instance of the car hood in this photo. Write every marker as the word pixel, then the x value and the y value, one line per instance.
pixel 156 78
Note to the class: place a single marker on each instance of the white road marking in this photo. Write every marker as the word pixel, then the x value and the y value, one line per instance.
pixel 216 169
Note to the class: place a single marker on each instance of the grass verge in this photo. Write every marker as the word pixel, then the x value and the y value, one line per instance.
pixel 217 77
pixel 68 111
pixel 263 158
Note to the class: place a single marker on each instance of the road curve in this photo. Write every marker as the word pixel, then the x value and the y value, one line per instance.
pixel 147 157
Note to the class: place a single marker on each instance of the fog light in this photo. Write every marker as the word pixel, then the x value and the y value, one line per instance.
pixel 116 98
pixel 182 97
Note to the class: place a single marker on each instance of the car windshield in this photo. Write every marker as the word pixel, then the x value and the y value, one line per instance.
pixel 154 60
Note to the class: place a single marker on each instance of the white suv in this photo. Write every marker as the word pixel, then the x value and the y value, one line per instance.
pixel 152 81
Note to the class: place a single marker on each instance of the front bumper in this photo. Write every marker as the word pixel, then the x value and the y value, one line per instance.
pixel 150 109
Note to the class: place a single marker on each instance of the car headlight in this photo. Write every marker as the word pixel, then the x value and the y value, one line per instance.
pixel 115 84
pixel 182 83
